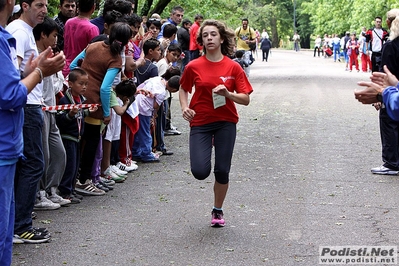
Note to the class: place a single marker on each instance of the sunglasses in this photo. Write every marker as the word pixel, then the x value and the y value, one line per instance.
pixel 131 81
pixel 154 19
pixel 114 13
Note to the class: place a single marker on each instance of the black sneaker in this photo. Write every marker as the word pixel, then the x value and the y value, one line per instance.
pixel 100 185
pixel 106 185
pixel 72 198
pixel 32 237
pixel 76 195
pixel 41 230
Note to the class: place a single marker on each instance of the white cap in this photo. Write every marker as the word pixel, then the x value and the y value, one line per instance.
pixel 16 9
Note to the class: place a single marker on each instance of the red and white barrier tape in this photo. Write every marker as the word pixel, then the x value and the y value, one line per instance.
pixel 69 106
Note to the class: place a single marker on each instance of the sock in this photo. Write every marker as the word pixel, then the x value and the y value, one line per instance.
pixel 217 209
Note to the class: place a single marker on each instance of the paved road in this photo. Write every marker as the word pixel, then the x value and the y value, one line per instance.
pixel 300 178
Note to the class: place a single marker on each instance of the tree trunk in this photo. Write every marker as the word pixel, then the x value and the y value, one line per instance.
pixel 146 7
pixel 305 42
pixel 135 7
pixel 160 6
pixel 274 33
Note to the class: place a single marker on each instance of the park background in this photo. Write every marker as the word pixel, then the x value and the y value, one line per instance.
pixel 280 18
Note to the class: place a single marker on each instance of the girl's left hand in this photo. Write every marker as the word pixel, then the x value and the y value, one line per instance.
pixel 221 90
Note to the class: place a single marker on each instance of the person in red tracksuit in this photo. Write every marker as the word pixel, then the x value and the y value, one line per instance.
pixel 353 50
pixel 364 56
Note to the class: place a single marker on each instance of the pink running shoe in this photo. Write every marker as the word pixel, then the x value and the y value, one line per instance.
pixel 217 218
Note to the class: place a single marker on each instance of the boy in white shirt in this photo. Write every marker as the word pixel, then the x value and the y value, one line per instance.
pixel 158 88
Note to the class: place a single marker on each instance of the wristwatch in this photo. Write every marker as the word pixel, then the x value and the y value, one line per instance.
pixel 379 97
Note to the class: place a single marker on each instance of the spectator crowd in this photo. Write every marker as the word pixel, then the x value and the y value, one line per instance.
pixel 361 51
pixel 89 124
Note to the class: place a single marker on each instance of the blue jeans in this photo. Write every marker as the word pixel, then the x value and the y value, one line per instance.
pixel 142 147
pixel 29 169
pixel 7 210
pixel 296 46
pixel 336 53
pixel 346 56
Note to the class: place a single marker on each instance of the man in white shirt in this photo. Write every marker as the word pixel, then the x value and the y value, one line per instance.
pixel 376 37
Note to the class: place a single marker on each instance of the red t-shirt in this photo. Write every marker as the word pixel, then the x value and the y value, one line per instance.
pixel 205 75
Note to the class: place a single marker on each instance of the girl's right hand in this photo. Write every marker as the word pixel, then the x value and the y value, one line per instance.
pixel 188 114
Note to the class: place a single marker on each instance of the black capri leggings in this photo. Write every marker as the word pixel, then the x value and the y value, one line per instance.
pixel 222 135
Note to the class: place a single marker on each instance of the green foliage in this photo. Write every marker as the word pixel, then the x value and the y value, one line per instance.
pixel 274 16
pixel 313 17
pixel 226 10
pixel 339 16
pixel 52 7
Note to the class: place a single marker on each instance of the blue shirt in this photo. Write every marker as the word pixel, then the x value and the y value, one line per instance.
pixel 99 22
pixel 390 98
pixel 160 34
pixel 13 95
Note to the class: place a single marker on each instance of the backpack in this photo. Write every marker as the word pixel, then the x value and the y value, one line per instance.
pixel 252 46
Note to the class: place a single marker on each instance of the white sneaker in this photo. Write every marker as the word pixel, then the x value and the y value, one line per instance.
pixel 43 203
pixel 382 170
pixel 127 168
pixel 118 171
pixel 54 197
pixel 110 174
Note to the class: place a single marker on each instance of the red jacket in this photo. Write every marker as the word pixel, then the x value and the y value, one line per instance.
pixel 193 37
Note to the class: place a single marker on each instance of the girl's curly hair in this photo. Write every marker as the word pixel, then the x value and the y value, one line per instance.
pixel 226 34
